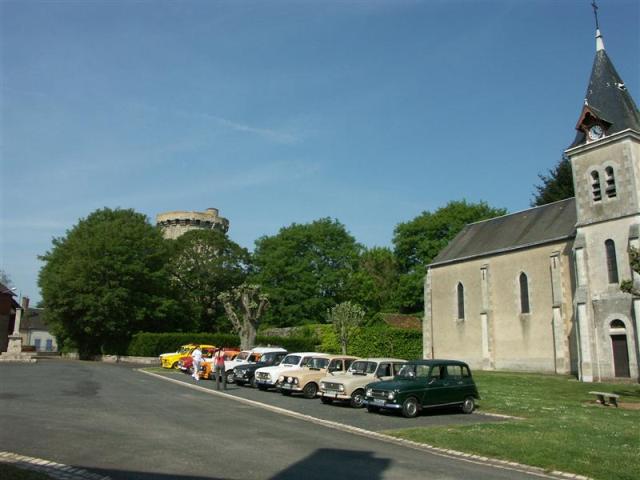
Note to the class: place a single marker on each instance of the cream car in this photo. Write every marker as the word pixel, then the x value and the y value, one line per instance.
pixel 306 380
pixel 350 386
pixel 267 377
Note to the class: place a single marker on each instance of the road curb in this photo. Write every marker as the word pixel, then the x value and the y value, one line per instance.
pixel 442 452
pixel 55 470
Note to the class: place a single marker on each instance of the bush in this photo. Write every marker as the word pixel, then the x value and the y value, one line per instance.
pixel 376 341
pixel 153 344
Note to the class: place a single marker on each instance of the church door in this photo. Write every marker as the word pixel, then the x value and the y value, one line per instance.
pixel 620 355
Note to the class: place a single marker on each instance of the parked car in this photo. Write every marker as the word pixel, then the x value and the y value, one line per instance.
pixel 267 377
pixel 185 364
pixel 424 384
pixel 206 368
pixel 170 360
pixel 350 386
pixel 306 380
pixel 245 374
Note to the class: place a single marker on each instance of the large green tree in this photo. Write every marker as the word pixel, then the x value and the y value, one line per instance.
pixel 305 269
pixel 106 280
pixel 418 241
pixel 375 282
pixel 556 185
pixel 203 264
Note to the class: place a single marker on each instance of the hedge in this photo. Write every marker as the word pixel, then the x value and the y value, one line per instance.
pixel 153 344
pixel 375 341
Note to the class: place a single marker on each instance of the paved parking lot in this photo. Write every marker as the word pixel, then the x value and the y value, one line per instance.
pixel 341 413
pixel 115 421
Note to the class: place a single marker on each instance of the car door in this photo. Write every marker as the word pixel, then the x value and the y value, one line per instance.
pixel 435 392
pixel 454 384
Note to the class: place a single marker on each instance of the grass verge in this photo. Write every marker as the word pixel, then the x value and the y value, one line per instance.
pixel 562 428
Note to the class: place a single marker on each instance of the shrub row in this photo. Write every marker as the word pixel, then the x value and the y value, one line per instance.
pixel 374 341
pixel 153 344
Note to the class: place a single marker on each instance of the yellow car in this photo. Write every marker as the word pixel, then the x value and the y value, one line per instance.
pixel 170 360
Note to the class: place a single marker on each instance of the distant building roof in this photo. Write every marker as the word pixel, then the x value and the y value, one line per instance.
pixel 398 320
pixel 34 320
pixel 547 223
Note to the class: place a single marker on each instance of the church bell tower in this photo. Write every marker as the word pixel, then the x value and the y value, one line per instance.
pixel 605 159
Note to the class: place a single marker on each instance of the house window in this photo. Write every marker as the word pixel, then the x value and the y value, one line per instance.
pixel 524 293
pixel 595 186
pixel 610 181
pixel 49 346
pixel 612 263
pixel 460 301
pixel 36 343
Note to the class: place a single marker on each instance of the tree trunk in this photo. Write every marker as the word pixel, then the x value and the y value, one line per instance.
pixel 248 337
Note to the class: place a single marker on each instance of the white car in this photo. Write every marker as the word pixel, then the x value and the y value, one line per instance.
pixel 267 377
pixel 350 385
pixel 244 357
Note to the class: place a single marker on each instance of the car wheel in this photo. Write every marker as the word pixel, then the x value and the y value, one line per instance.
pixel 231 378
pixel 326 400
pixel 310 390
pixel 174 365
pixel 372 409
pixel 469 405
pixel 357 399
pixel 286 393
pixel 410 407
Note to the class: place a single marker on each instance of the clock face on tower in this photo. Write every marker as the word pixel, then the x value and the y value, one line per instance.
pixel 595 132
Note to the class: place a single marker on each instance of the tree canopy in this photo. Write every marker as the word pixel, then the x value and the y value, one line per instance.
pixel 203 264
pixel 305 269
pixel 105 280
pixel 418 241
pixel 557 185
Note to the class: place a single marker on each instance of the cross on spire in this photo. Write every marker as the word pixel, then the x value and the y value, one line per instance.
pixel 595 13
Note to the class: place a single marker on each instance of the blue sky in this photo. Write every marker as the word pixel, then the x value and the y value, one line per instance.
pixel 277 112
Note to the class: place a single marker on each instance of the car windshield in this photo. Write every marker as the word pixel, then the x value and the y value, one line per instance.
pixel 407 371
pixel 362 368
pixel 268 357
pixel 318 362
pixel 243 355
pixel 184 350
pixel 291 360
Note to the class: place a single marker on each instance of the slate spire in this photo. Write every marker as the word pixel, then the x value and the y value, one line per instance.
pixel 607 101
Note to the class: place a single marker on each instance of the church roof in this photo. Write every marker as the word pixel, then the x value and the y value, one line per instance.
pixel 607 98
pixel 539 225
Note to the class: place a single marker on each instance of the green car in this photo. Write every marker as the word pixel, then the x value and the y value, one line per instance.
pixel 424 384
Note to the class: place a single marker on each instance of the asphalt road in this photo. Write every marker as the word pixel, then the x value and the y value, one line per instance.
pixel 113 420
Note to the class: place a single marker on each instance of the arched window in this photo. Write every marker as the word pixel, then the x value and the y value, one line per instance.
pixel 610 180
pixel 460 301
pixel 595 186
pixel 617 324
pixel 612 263
pixel 524 293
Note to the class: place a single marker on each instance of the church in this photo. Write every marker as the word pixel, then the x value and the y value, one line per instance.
pixel 539 290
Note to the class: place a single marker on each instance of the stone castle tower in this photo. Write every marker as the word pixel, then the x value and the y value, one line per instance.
pixel 174 224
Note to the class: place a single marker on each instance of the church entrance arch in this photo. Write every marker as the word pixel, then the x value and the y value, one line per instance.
pixel 619 348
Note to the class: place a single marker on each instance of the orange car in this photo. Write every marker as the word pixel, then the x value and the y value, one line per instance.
pixel 206 369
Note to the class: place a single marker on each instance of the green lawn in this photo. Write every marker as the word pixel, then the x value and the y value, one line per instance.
pixel 562 426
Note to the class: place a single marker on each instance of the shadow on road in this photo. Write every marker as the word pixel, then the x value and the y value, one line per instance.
pixel 322 464
pixel 330 463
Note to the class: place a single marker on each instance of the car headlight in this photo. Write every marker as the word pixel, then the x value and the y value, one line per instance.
pixel 322 385
pixel 295 381
pixel 281 379
pixel 369 392
pixel 391 395
pixel 341 388
pixel 289 379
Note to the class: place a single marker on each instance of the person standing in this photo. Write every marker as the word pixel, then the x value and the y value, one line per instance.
pixel 219 369
pixel 197 360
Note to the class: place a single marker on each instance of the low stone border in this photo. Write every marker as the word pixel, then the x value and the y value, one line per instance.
pixel 52 469
pixel 442 452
